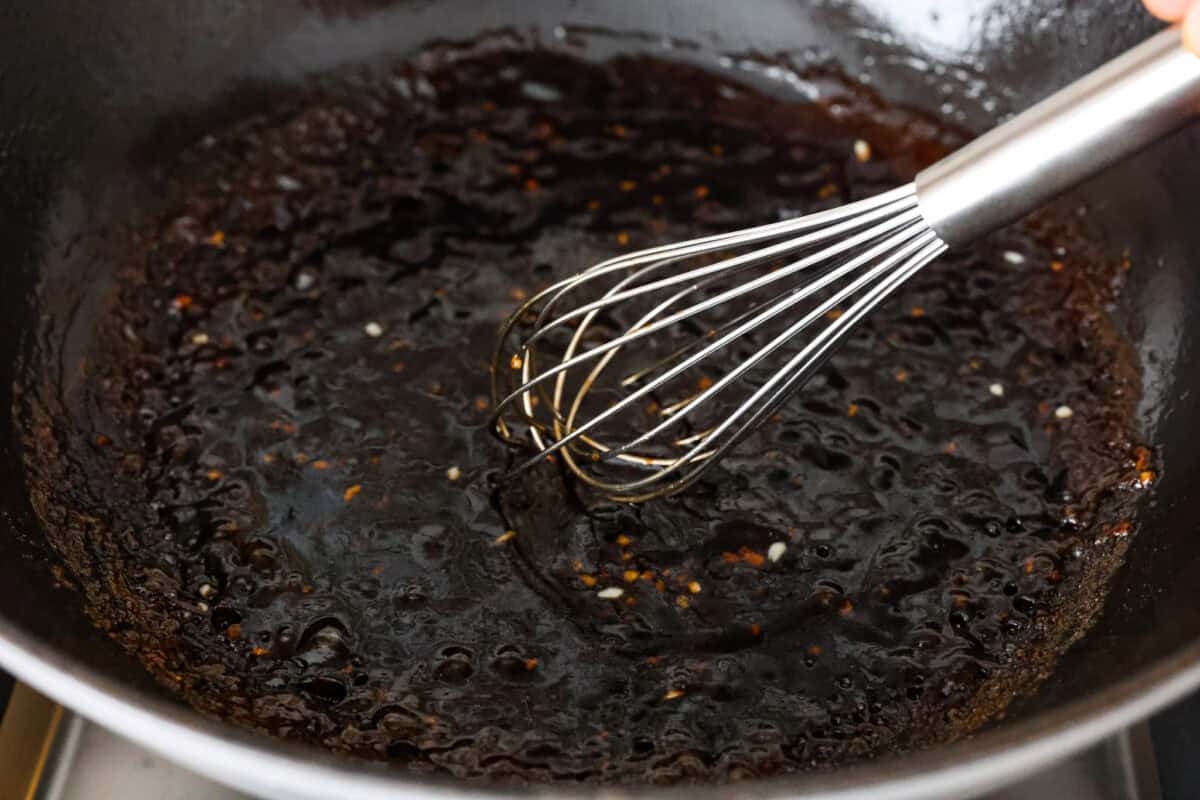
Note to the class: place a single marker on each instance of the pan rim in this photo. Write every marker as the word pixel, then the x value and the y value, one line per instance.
pixel 280 770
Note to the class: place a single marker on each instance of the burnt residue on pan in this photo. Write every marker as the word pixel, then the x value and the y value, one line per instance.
pixel 276 488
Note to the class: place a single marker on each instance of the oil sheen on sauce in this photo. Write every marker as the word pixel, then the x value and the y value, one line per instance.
pixel 277 488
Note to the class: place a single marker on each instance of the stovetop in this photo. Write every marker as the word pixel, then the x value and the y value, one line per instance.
pixel 50 753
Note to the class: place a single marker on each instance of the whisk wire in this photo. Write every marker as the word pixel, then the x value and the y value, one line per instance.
pixel 784 381
pixel 725 266
pixel 612 297
pixel 896 241
pixel 856 254
pixel 773 309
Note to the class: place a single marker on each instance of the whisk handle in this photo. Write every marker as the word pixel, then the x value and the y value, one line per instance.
pixel 1101 118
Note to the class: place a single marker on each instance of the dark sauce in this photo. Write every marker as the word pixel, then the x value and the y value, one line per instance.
pixel 277 490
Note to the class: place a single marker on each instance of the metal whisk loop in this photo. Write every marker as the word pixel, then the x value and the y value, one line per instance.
pixel 762 308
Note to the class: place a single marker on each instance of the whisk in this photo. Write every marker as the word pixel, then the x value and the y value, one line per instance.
pixel 763 308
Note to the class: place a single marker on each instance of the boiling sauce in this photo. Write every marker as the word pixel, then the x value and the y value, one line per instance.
pixel 278 491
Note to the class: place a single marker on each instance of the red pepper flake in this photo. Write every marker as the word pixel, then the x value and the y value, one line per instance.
pixel 102 440
pixel 700 192
pixel 217 239
pixel 506 536
pixel 260 651
pixel 674 694
pixel 532 185
pixel 518 294
pixel 664 169
pixel 351 493
pixel 852 410
pixel 901 375
pixel 717 150
pixel 1121 529
pixel 815 650
pixel 377 570
pixel 489 107
pixel 631 575
pixel 182 301
pixel 234 632
pixel 513 169
pixel 1142 456
pixel 846 608
pixel 397 367
pixel 320 464
pixel 751 557
pixel 705 384
pixel 657 200
pixel 646 575
pixel 1057 266
pixel 628 186
pixel 834 313
pixel 478 135
pixel 652 660
pixel 950 449
pixel 744 554
pixel 624 540
pixel 593 205
pixel 588 580
pixel 213 474
pixel 827 191
pixel 619 131
pixel 917 312
pixel 531 664
pixel 481 404
pixel 622 238
pixel 660 585
pixel 756 629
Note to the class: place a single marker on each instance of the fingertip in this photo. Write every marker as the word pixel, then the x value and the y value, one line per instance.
pixel 1168 10
pixel 1191 30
